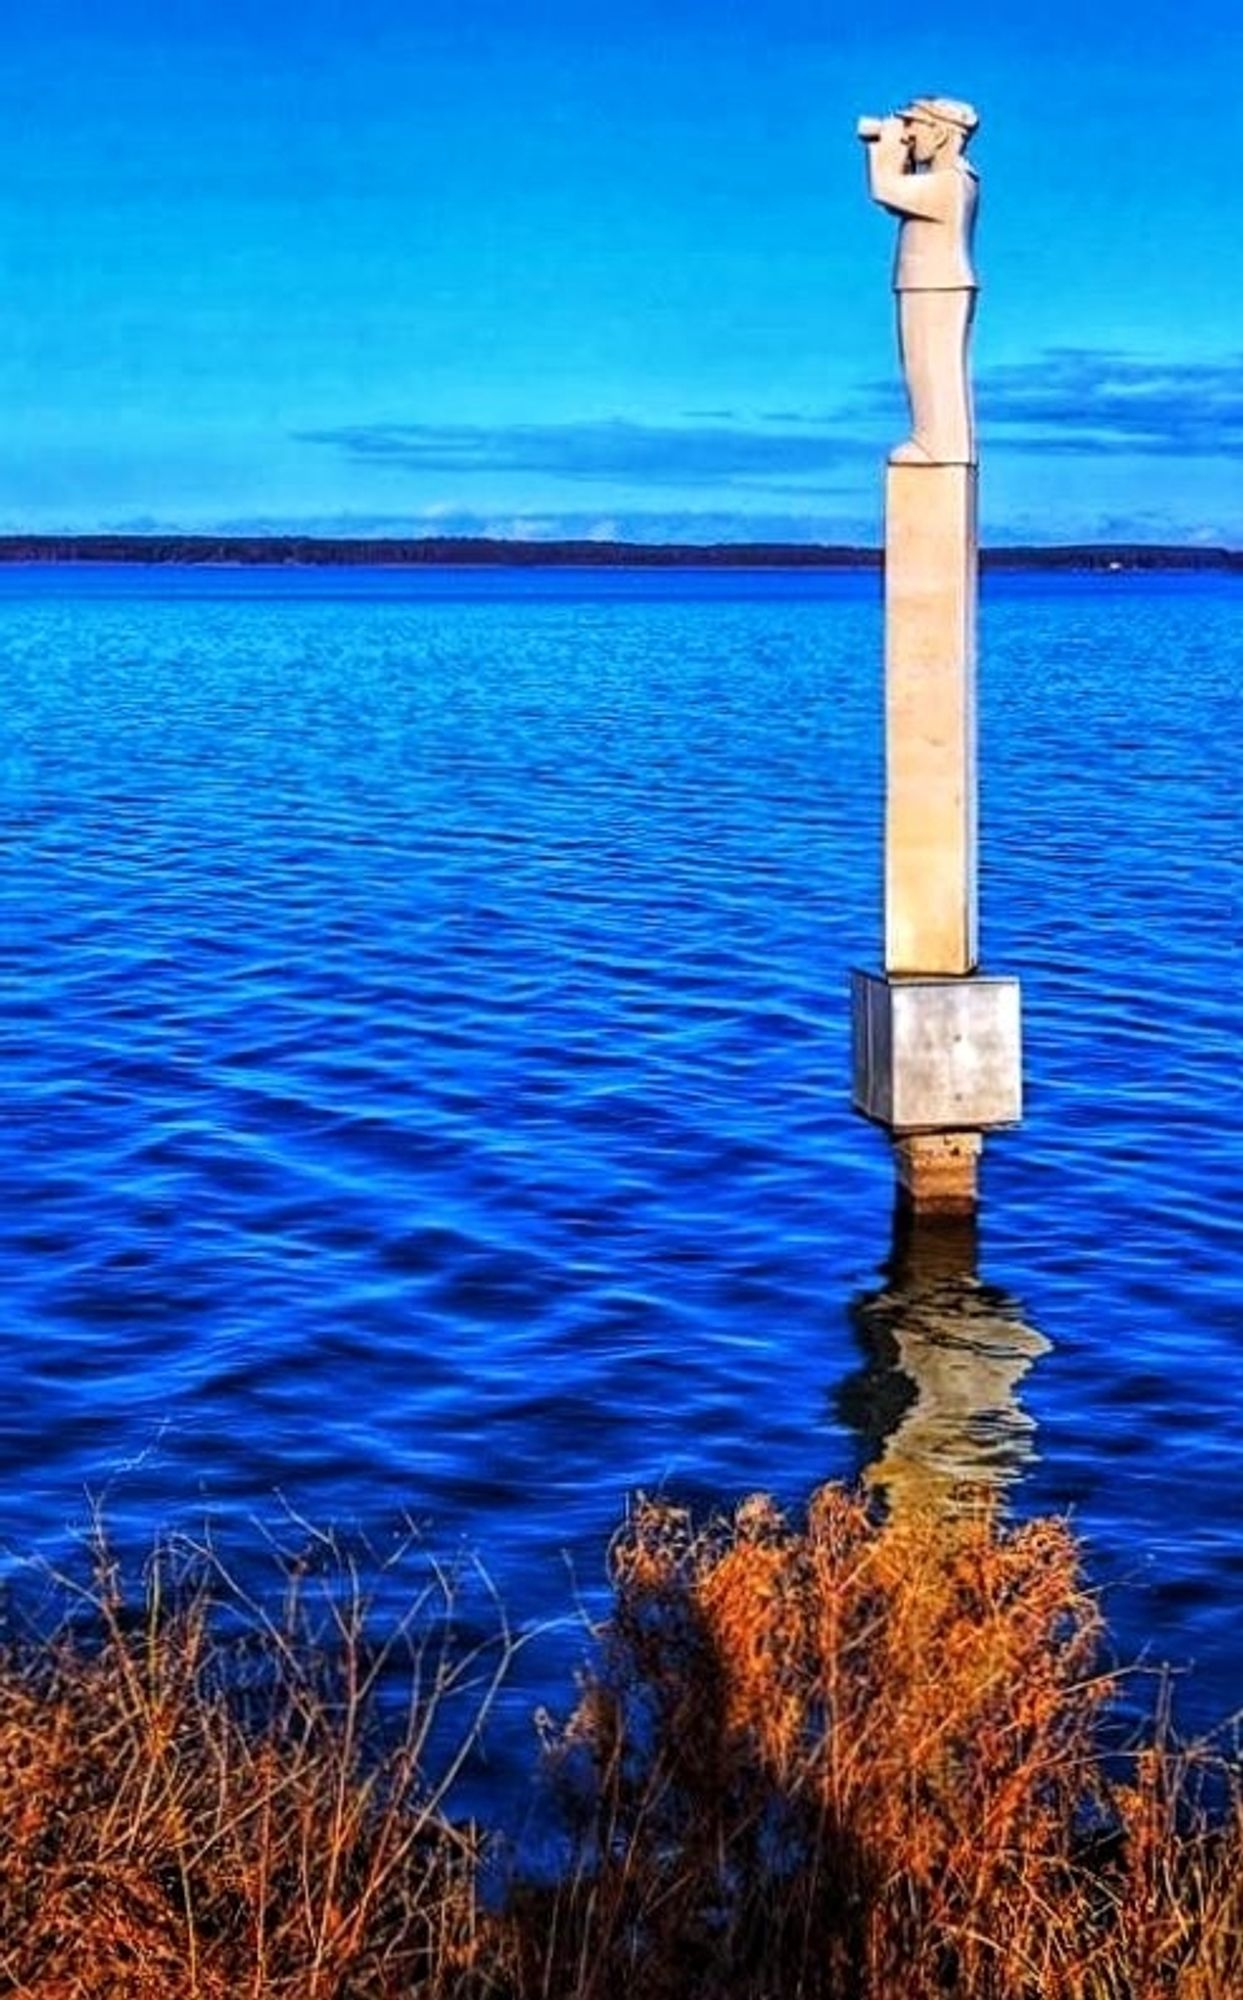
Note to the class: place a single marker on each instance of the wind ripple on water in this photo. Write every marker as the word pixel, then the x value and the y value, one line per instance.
pixel 426 1052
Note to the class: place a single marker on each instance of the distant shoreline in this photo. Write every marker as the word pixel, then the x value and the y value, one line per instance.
pixel 314 551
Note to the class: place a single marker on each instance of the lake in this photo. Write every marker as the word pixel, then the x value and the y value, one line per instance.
pixel 425 1043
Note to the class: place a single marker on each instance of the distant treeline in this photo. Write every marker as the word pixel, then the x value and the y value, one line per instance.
pixel 333 551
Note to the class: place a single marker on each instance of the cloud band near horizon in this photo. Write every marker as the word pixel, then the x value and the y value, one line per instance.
pixel 1091 402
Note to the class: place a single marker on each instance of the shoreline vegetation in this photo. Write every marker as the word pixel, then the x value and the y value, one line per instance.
pixel 844 1757
pixel 477 552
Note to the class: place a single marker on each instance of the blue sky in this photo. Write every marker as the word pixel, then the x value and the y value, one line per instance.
pixel 554 266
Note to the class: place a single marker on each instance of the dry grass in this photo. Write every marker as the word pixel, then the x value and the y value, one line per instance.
pixel 200 1802
pixel 843 1759
pixel 858 1760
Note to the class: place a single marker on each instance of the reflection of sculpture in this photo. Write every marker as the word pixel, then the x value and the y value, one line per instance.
pixel 916 169
pixel 937 1399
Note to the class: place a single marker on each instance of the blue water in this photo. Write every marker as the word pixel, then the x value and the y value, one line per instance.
pixel 424 1041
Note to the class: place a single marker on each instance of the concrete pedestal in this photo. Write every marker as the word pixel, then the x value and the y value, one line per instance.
pixel 937 1055
pixel 930 728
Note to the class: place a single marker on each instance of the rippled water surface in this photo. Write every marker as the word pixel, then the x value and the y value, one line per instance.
pixel 425 1068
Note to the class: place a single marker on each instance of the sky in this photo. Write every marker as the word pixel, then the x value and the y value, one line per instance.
pixel 561 267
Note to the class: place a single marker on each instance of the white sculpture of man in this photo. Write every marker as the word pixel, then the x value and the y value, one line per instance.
pixel 917 170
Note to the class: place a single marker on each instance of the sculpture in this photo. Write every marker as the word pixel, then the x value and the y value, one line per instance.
pixel 917 169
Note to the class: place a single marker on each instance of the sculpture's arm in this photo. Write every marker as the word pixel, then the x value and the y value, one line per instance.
pixel 930 196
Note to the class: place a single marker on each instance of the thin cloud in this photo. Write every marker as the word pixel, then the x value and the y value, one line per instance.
pixel 1085 402
pixel 615 450
pixel 349 524
pixel 1097 402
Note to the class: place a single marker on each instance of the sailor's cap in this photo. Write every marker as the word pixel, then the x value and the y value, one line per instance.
pixel 945 110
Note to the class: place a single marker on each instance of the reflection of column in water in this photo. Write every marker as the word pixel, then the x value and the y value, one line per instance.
pixel 944 1354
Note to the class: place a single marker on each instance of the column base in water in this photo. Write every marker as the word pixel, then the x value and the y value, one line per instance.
pixel 938 1172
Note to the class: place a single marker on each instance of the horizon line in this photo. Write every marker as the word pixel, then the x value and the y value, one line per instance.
pixel 292 546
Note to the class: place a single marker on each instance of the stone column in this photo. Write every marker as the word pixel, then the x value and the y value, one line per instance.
pixel 930 736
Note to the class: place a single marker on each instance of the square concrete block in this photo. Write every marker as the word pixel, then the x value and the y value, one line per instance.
pixel 937 1055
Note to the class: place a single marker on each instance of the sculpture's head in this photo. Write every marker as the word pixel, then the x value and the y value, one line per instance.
pixel 937 126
